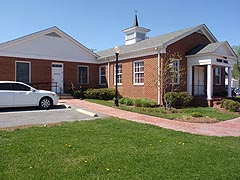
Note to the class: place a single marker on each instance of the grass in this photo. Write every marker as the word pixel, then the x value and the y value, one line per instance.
pixel 112 149
pixel 174 114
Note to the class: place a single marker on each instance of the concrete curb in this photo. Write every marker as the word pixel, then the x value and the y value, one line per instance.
pixel 87 112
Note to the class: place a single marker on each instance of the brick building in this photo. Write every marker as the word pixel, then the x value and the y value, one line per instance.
pixel 53 57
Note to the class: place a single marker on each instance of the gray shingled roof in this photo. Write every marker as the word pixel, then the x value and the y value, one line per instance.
pixel 210 48
pixel 147 43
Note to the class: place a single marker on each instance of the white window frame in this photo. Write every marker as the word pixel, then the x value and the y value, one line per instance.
pixel 119 74
pixel 27 62
pixel 218 74
pixel 101 76
pixel 175 69
pixel 87 74
pixel 134 73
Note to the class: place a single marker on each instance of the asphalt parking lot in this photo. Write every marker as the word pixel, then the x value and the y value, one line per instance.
pixel 17 117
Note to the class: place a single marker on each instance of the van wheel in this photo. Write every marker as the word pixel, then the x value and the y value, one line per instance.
pixel 45 103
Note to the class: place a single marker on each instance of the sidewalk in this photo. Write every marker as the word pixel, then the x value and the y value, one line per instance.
pixel 225 128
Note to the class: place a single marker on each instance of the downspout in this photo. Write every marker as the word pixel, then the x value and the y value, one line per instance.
pixel 158 79
pixel 108 75
pixel 160 51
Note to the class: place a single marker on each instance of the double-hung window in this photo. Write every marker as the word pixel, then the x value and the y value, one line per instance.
pixel 119 78
pixel 175 71
pixel 102 75
pixel 23 72
pixel 83 75
pixel 218 76
pixel 138 73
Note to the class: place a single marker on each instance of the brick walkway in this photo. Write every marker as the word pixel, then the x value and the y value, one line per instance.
pixel 225 128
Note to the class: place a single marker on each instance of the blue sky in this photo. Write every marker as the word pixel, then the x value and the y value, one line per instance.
pixel 97 24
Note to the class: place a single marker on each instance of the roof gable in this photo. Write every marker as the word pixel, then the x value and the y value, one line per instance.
pixel 221 48
pixel 50 44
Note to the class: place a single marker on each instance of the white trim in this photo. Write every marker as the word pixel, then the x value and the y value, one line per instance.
pixel 158 78
pixel 114 74
pixel 62 83
pixel 87 74
pixel 30 70
pixel 134 62
pixel 108 75
pixel 100 75
pixel 46 31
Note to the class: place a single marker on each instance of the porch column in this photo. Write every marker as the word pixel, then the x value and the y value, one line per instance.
pixel 189 80
pixel 209 81
pixel 229 82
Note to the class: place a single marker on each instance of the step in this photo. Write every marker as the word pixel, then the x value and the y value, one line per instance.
pixel 65 96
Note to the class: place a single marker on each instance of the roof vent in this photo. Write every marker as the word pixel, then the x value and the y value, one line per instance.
pixel 53 34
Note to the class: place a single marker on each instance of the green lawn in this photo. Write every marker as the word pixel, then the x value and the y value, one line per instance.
pixel 115 149
pixel 175 113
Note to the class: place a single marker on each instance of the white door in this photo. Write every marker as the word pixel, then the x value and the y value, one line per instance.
pixel 57 77
pixel 199 81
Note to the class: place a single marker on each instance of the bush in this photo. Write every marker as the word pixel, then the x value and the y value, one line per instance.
pixel 171 98
pixel 230 105
pixel 184 99
pixel 144 103
pixel 178 98
pixel 126 100
pixel 76 94
pixel 103 94
pixel 138 102
pixel 197 114
pixel 148 103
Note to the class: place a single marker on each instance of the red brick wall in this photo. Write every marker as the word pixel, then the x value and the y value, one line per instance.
pixel 41 71
pixel 128 89
pixel 7 69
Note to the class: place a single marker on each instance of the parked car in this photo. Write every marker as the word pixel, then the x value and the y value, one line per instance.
pixel 18 94
pixel 235 91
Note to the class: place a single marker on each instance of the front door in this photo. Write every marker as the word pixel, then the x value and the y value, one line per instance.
pixel 199 81
pixel 57 77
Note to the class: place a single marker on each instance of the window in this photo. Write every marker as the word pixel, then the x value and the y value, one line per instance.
pixel 138 72
pixel 102 75
pixel 14 87
pixel 218 76
pixel 174 71
pixel 83 74
pixel 119 74
pixel 23 72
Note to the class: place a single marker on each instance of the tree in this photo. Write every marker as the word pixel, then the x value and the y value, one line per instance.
pixel 172 75
pixel 236 66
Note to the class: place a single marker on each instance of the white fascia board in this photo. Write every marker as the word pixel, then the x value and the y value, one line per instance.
pixel 134 54
pixel 42 33
pixel 212 54
pixel 29 56
pixel 202 27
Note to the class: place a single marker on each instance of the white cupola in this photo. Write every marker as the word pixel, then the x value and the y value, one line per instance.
pixel 135 33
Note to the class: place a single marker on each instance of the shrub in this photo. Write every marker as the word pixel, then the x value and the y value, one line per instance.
pixel 148 103
pixel 230 105
pixel 126 100
pixel 103 94
pixel 76 94
pixel 171 98
pixel 178 99
pixel 138 102
pixel 184 99
pixel 144 103
pixel 197 114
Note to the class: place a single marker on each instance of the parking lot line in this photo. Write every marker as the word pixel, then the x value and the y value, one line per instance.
pixel 33 111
